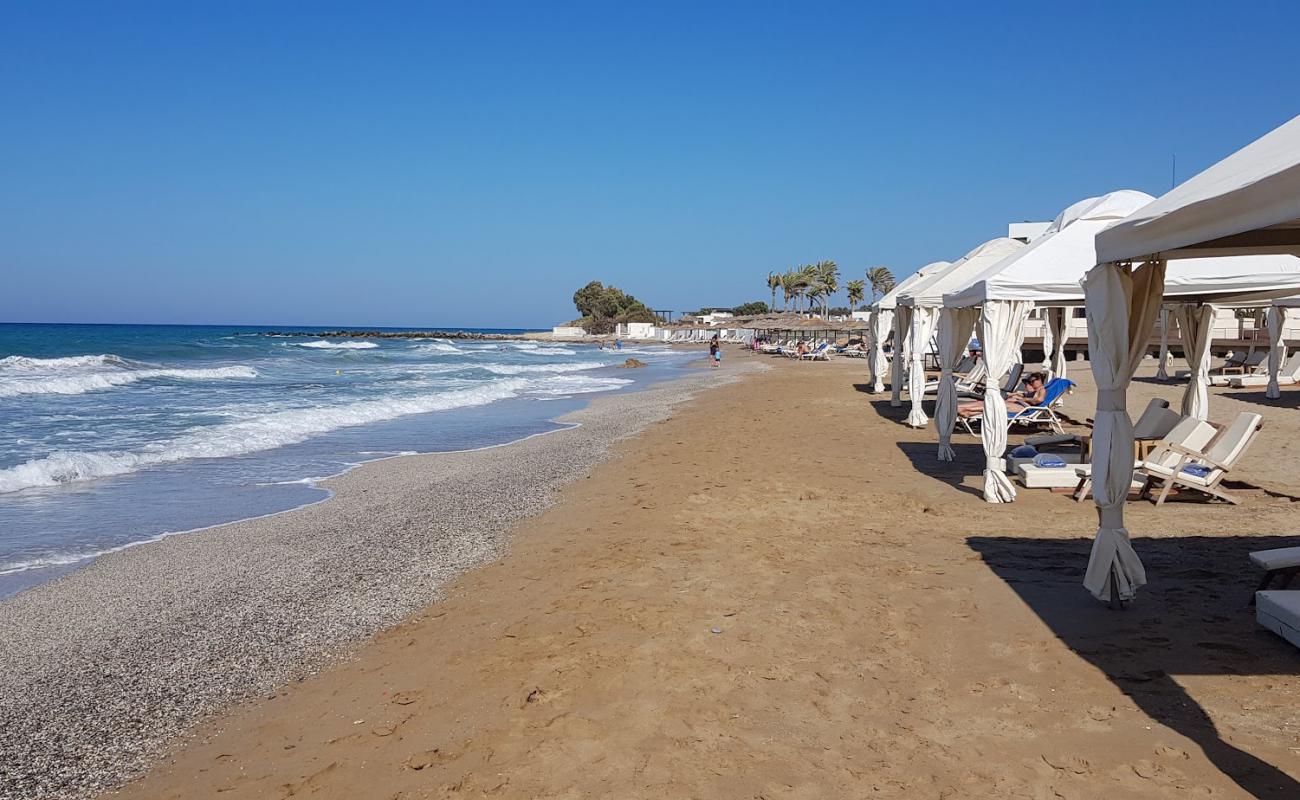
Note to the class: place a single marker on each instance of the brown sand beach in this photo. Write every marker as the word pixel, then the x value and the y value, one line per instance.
pixel 778 592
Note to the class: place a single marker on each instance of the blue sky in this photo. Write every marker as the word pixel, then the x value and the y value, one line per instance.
pixel 474 163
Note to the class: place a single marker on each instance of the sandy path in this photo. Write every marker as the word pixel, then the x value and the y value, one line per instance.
pixel 882 633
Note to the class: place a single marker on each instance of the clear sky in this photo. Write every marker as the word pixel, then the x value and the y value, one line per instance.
pixel 472 163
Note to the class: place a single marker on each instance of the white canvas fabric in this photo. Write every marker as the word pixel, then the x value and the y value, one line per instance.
pixel 1162 369
pixel 955 328
pixel 1277 315
pixel 889 303
pixel 1056 323
pixel 882 319
pixel 1121 311
pixel 1049 268
pixel 1196 323
pixel 930 291
pixel 923 319
pixel 1002 325
pixel 1048 340
pixel 902 349
pixel 1247 203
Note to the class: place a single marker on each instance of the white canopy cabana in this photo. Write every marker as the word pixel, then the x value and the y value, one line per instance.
pixel 925 298
pixel 882 321
pixel 1044 273
pixel 1246 205
pixel 1277 314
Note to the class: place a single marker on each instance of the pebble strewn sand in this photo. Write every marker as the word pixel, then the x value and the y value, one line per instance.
pixel 100 669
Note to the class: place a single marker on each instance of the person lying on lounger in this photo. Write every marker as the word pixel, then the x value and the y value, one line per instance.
pixel 1034 394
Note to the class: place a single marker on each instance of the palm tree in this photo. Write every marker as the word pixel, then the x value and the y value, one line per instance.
pixel 827 282
pixel 857 290
pixel 789 287
pixel 881 280
pixel 805 277
pixel 773 283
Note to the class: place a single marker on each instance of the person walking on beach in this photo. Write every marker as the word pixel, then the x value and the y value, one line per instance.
pixel 715 352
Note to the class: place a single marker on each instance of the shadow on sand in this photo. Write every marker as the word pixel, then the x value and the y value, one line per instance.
pixel 969 461
pixel 1192 619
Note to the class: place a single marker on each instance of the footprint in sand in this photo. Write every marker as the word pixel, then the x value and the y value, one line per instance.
pixel 1068 763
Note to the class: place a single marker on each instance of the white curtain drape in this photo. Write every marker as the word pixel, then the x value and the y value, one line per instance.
pixel 1048 339
pixel 1196 324
pixel 902 337
pixel 1122 308
pixel 881 320
pixel 955 328
pixel 1276 349
pixel 1002 326
pixel 1058 323
pixel 1162 369
pixel 922 329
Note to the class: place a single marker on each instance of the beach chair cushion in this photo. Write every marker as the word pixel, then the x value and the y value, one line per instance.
pixel 1277 558
pixel 1279 611
pixel 1014 463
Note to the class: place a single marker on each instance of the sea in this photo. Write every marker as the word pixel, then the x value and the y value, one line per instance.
pixel 116 435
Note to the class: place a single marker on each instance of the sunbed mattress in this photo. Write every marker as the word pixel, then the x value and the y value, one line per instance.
pixel 1279 611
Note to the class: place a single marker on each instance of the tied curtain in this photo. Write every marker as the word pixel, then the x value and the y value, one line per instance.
pixel 922 328
pixel 1048 339
pixel 1058 328
pixel 955 328
pixel 881 320
pixel 1276 349
pixel 1002 327
pixel 902 324
pixel 1122 308
pixel 1162 369
pixel 1196 324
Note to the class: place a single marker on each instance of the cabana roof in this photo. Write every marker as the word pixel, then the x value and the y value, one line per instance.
pixel 1049 268
pixel 1247 203
pixel 890 301
pixel 930 291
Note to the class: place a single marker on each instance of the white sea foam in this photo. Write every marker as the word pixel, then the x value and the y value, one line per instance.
pixel 77 381
pixel 325 344
pixel 21 364
pixel 439 346
pixel 578 384
pixel 260 433
pixel 524 369
pixel 549 351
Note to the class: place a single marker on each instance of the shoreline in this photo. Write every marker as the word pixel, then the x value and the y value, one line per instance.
pixel 111 662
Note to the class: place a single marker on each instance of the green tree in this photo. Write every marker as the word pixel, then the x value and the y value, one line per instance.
pixel 789 287
pixel 750 309
pixel 773 283
pixel 826 280
pixel 881 280
pixel 857 290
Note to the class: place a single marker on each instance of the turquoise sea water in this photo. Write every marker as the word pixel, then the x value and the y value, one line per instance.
pixel 111 435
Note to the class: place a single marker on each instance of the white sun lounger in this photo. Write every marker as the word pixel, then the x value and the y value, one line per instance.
pixel 1226 450
pixel 1189 432
pixel 1290 373
pixel 1279 611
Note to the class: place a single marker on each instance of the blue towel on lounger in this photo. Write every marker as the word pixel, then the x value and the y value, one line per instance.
pixel 1048 460
pixel 1197 470
pixel 1024 451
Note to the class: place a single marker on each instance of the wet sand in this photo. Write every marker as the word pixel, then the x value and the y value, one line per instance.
pixel 779 592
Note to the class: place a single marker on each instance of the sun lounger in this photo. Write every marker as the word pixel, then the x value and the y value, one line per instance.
pixel 1281 562
pixel 819 353
pixel 1290 373
pixel 1188 432
pixel 1209 466
pixel 1034 415
pixel 1235 363
pixel 1008 386
pixel 1279 611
